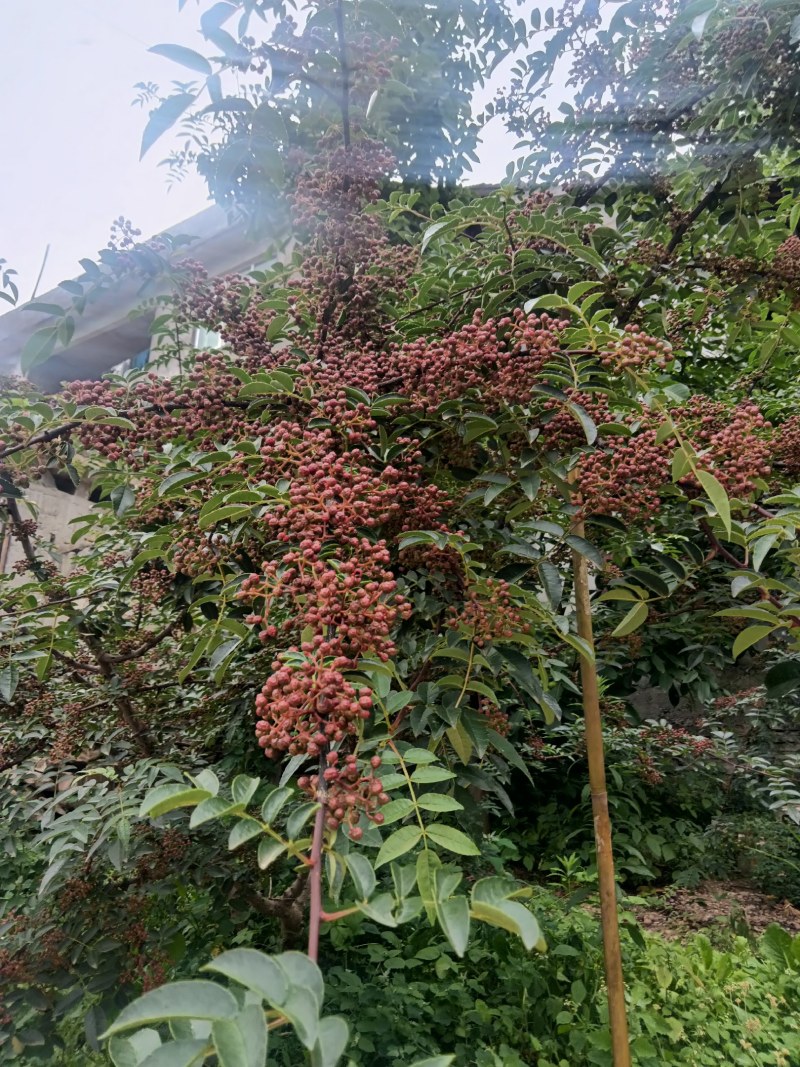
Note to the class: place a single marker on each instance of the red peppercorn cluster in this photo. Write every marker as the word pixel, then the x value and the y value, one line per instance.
pixel 787 446
pixel 494 718
pixel 307 707
pixel 637 350
pixel 202 407
pixel 646 767
pixel 347 791
pixel 331 584
pixel 349 265
pixel 735 445
pixel 440 564
pixel 561 431
pixel 502 359
pixel 69 732
pixel 489 613
pixel 625 479
pixel 786 261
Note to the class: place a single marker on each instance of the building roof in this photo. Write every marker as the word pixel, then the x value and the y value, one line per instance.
pixel 110 330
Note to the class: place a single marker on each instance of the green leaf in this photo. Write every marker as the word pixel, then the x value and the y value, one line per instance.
pixel 9 680
pixel 185 56
pixel 243 830
pixel 760 548
pixel 438 802
pixel 551 580
pixel 579 289
pixel 243 788
pixel 397 844
pixel 588 426
pixel 718 497
pixel 380 909
pixel 649 579
pixel 396 809
pixel 304 972
pixel 620 593
pixel 227 44
pixel 130 1051
pixel 177 480
pixel 163 117
pixel 122 498
pixel 276 800
pixel 418 755
pixel 428 863
pixel 442 226
pixel 680 464
pixel 665 431
pixel 268 851
pixel 783 678
pixel 176 1000
pixel 450 838
pixel 507 750
pixel 453 916
pixel 185 1053
pixel 476 426
pixel 586 548
pixel 241 1042
pixel 749 637
pixel 168 797
pixel 299 817
pixel 777 945
pixel 44 308
pixel 302 1010
pixel 362 873
pixel 436 1061
pixel 750 612
pixel 633 620
pixel 223 514
pixel 331 1042
pixel 254 970
pixel 491 903
pixel 206 779
pixel 38 348
pixel 431 775
pixel 207 810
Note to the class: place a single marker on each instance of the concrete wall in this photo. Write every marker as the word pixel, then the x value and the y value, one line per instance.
pixel 54 509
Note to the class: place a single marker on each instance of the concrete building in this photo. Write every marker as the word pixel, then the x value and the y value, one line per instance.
pixel 112 333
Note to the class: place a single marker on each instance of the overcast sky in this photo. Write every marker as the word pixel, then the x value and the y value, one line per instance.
pixel 70 136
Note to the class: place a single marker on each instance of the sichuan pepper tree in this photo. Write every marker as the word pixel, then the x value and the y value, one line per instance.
pixel 352 524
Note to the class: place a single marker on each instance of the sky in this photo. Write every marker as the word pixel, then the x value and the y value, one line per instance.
pixel 69 162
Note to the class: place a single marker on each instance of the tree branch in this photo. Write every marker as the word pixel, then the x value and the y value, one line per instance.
pixel 40 438
pixel 150 643
pixel 104 662
pixel 707 201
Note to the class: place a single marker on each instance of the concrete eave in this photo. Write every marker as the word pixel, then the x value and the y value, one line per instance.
pixel 111 328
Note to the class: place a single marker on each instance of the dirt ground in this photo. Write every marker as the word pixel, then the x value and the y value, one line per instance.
pixel 680 912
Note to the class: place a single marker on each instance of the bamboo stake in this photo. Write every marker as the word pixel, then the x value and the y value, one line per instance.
pixel 612 956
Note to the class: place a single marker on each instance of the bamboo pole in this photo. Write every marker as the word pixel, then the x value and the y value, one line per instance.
pixel 612 956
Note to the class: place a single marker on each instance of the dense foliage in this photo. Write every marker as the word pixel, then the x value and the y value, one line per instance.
pixel 324 596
